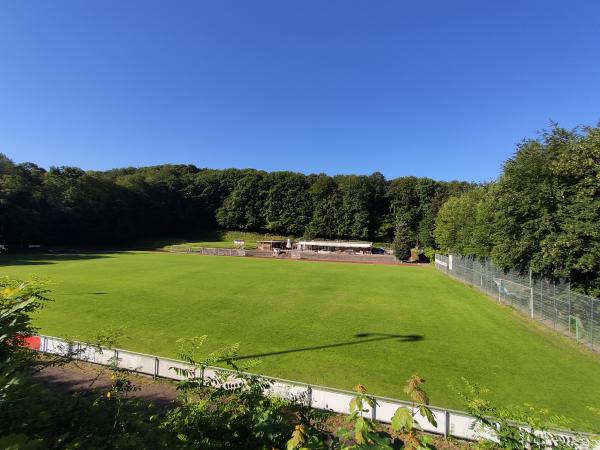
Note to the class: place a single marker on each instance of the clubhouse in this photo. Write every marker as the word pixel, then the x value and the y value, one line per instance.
pixel 318 246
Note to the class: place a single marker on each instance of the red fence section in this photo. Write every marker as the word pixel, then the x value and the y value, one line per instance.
pixel 32 342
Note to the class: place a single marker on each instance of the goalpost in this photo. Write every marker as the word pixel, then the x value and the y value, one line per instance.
pixel 575 323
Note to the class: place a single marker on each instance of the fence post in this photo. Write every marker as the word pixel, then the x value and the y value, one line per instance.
pixel 531 292
pixel 309 396
pixel 500 291
pixel 569 310
pixel 542 300
pixel 374 411
pixel 156 362
pixel 447 427
pixel 592 325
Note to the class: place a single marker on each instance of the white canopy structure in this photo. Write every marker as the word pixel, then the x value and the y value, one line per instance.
pixel 332 246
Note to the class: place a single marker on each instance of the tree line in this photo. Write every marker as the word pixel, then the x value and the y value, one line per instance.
pixel 543 212
pixel 67 205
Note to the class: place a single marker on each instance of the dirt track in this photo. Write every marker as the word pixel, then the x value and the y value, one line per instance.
pixel 80 376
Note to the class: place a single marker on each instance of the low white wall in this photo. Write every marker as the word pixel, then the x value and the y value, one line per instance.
pixel 208 251
pixel 449 422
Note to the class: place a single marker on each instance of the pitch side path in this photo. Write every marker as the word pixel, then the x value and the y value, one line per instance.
pixel 329 324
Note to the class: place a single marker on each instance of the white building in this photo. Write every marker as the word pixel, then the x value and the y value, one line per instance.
pixel 335 246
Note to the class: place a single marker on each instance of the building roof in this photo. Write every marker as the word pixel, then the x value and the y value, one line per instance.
pixel 347 244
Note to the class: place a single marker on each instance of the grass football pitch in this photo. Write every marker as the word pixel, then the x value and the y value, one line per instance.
pixel 324 323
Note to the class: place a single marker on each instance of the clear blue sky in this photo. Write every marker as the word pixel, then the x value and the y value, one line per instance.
pixel 442 89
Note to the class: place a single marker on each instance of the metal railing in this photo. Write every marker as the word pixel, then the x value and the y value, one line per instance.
pixel 552 303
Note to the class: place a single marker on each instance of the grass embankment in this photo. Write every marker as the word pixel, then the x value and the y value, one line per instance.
pixel 207 239
pixel 331 324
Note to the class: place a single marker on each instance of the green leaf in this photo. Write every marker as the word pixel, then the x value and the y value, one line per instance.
pixel 427 413
pixel 402 420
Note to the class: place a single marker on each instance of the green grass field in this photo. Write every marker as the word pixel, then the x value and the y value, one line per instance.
pixel 326 323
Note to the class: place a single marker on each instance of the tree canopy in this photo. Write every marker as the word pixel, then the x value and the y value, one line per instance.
pixel 70 205
pixel 542 213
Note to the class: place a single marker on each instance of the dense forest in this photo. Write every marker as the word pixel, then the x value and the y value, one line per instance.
pixel 543 212
pixel 69 205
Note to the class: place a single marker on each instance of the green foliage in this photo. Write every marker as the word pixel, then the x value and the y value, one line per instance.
pixel 69 205
pixel 461 223
pixel 228 408
pixel 402 243
pixel 366 433
pixel 18 300
pixel 115 401
pixel 574 245
pixel 517 427
pixel 287 207
pixel 243 209
pixel 404 418
pixel 542 213
pixel 32 417
pixel 429 253
pixel 44 418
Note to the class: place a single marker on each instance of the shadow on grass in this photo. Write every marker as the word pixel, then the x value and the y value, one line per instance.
pixel 85 293
pixel 363 338
pixel 199 236
pixel 41 259
pixel 178 239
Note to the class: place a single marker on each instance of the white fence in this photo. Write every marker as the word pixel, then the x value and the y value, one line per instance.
pixel 208 251
pixel 449 422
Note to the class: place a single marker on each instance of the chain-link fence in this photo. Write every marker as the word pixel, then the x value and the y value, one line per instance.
pixel 552 303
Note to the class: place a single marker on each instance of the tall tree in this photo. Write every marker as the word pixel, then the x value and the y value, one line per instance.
pixel 573 249
pixel 244 208
pixel 287 207
pixel 326 197
pixel 355 219
pixel 402 243
pixel 543 212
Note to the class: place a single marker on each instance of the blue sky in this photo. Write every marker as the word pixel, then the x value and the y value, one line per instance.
pixel 431 88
